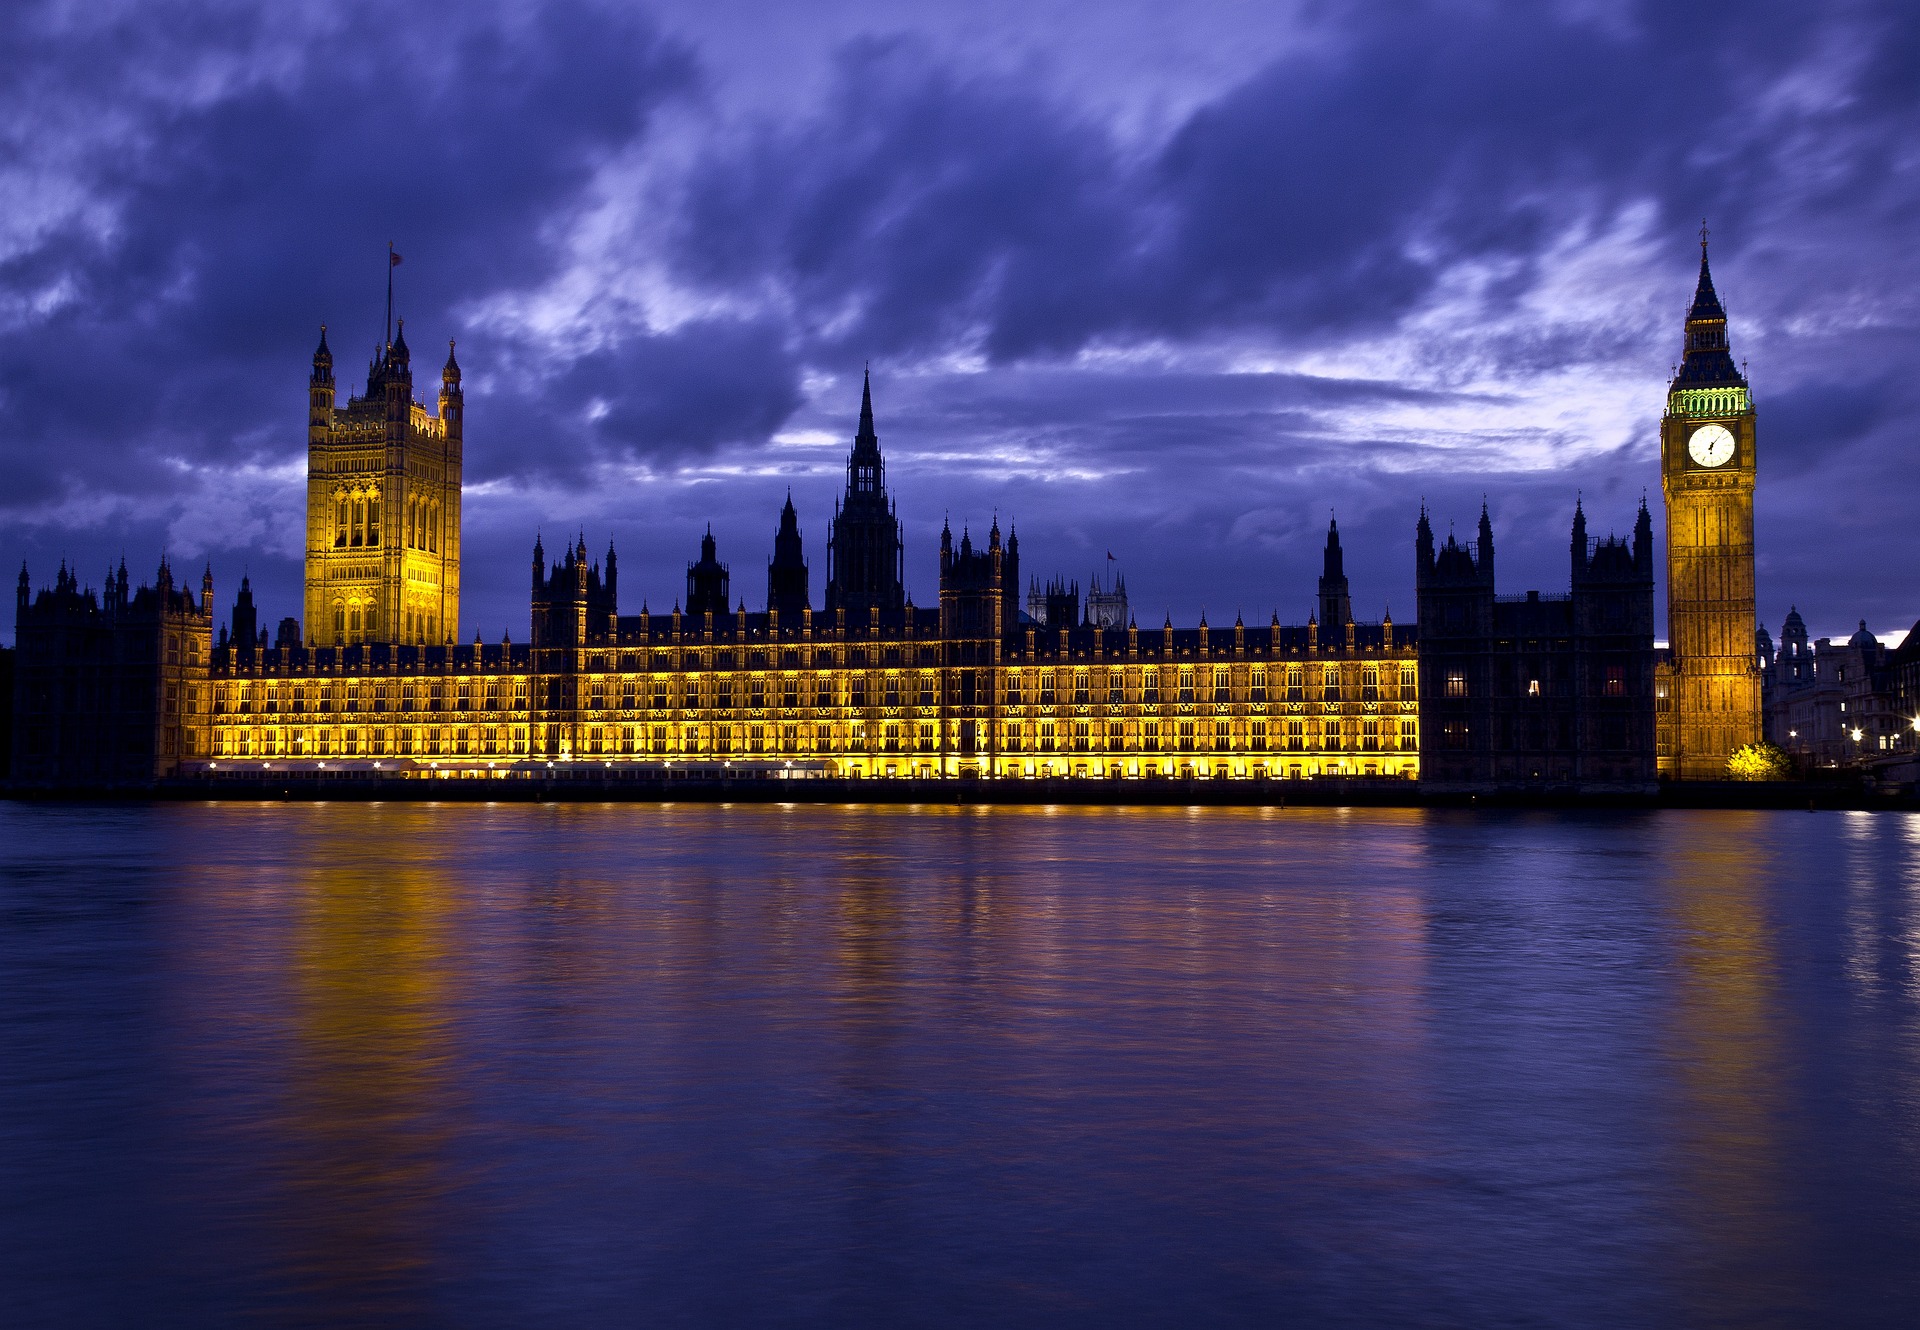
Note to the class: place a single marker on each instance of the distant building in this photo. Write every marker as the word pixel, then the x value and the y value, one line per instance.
pixel 1550 692
pixel 1840 705
pixel 1107 602
pixel 1055 605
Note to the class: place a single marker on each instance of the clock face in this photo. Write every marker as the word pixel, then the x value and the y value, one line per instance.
pixel 1711 445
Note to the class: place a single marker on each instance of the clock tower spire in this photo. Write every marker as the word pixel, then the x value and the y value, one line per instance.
pixel 1707 455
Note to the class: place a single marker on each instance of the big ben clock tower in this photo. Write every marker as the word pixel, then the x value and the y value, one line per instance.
pixel 1707 474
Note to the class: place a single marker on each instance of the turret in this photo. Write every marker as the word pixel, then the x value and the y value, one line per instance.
pixel 246 622
pixel 23 594
pixel 707 581
pixel 1423 548
pixel 1010 584
pixel 452 401
pixel 1577 544
pixel 787 573
pixel 206 593
pixel 320 387
pixel 577 558
pixel 1643 541
pixel 399 359
pixel 1485 553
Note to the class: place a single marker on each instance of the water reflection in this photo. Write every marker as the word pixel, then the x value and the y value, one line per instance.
pixel 1725 1043
pixel 587 1065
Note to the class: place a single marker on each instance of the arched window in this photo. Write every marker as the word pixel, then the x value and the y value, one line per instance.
pixel 409 526
pixel 353 621
pixel 340 521
pixel 373 520
pixel 358 534
pixel 373 621
pixel 433 528
pixel 339 618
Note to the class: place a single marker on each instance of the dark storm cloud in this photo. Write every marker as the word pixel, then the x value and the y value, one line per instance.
pixel 1374 217
pixel 655 398
pixel 239 220
pixel 921 207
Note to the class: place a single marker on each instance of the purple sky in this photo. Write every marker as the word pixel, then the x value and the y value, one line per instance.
pixel 1170 281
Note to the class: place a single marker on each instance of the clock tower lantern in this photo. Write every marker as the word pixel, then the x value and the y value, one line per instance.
pixel 1707 457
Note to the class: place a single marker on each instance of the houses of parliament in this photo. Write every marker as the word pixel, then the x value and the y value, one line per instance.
pixel 997 680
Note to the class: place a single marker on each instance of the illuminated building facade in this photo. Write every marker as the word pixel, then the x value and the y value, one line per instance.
pixel 873 686
pixel 1710 685
pixel 383 505
pixel 1536 691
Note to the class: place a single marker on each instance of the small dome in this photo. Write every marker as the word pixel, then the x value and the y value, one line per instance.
pixel 1863 638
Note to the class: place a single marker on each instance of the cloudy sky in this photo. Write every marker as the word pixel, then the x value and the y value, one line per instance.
pixel 1169 281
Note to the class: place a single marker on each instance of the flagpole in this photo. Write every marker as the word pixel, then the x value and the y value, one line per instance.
pixel 389 295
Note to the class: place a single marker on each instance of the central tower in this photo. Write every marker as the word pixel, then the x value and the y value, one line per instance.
pixel 1707 458
pixel 383 505
pixel 863 554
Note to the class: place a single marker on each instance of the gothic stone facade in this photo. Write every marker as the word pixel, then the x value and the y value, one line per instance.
pixel 1710 683
pixel 1537 692
pixel 1550 692
pixel 383 505
pixel 871 687
pixel 110 689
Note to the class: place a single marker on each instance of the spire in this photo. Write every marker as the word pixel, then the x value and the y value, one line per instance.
pixel 1707 357
pixel 1336 604
pixel 1706 302
pixel 399 355
pixel 450 372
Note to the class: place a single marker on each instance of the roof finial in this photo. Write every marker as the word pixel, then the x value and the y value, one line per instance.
pixel 1703 237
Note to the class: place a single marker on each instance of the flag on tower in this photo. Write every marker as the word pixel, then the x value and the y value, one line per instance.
pixel 393 259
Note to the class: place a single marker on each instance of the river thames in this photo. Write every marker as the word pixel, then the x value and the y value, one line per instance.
pixel 591 1065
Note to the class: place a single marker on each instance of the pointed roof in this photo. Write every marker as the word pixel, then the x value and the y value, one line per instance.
pixel 1706 301
pixel 1707 357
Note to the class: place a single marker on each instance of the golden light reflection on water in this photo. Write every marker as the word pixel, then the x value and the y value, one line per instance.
pixel 1724 1040
pixel 776 1043
pixel 368 1098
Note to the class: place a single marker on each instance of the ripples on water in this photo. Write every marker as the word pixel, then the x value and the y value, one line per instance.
pixel 576 1065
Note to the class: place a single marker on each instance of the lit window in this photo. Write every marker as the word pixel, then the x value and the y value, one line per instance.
pixel 1456 683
